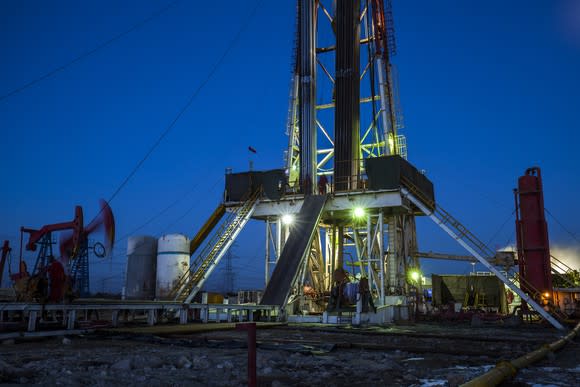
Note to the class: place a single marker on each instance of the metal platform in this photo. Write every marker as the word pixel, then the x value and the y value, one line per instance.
pixel 76 312
pixel 343 201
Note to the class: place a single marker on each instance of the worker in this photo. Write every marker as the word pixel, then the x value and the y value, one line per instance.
pixel 366 296
pixel 471 293
pixel 57 279
pixel 307 184
pixel 322 182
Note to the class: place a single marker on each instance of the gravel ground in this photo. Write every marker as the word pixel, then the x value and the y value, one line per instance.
pixel 286 357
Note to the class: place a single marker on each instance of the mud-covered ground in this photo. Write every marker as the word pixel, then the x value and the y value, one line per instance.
pixel 421 355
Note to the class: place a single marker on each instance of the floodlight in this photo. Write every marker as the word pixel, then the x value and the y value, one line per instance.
pixel 287 219
pixel 359 212
pixel 415 275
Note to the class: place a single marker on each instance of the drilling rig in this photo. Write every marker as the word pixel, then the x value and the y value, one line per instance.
pixel 340 215
pixel 335 210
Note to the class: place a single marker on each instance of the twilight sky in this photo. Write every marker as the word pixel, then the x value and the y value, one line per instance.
pixel 488 88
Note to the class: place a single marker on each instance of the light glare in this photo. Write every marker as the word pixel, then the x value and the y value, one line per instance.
pixel 415 275
pixel 359 212
pixel 288 219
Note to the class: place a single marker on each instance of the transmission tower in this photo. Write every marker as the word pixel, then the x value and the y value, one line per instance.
pixel 229 274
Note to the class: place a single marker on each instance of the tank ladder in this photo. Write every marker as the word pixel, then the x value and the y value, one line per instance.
pixel 202 267
pixel 469 242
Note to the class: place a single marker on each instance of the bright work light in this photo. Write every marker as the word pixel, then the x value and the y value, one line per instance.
pixel 288 219
pixel 359 212
pixel 415 275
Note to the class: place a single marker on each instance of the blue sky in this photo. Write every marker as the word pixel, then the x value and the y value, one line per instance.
pixel 487 88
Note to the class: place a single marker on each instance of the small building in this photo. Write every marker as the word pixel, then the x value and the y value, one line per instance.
pixel 485 292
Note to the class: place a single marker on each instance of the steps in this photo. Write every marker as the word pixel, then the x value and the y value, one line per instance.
pixel 472 244
pixel 562 271
pixel 201 268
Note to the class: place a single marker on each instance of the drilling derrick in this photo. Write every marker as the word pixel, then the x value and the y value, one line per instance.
pixel 343 144
pixel 340 216
pixel 347 90
pixel 307 92
pixel 340 232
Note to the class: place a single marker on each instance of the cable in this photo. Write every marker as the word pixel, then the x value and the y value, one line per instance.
pixel 86 54
pixel 500 228
pixel 563 227
pixel 204 82
pixel 156 216
pixel 190 208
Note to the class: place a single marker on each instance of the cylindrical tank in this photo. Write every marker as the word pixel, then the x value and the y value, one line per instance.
pixel 141 267
pixel 172 263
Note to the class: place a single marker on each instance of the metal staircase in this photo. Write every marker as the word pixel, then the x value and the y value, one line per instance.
pixel 536 295
pixel 471 243
pixel 562 271
pixel 201 268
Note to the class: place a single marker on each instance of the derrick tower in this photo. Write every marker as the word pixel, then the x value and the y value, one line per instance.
pixel 343 112
pixel 336 214
pixel 344 104
pixel 340 214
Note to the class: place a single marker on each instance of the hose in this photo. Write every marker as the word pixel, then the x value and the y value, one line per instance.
pixel 508 369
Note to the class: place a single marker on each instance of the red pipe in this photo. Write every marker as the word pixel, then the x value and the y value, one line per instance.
pixel 251 328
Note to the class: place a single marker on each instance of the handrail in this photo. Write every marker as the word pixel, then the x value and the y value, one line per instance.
pixel 207 256
pixel 470 242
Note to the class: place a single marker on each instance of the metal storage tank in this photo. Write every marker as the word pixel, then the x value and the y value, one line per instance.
pixel 172 263
pixel 141 268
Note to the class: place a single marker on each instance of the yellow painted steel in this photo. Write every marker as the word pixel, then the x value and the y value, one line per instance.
pixel 206 228
pixel 508 369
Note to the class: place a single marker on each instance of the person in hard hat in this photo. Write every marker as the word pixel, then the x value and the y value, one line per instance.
pixel 57 279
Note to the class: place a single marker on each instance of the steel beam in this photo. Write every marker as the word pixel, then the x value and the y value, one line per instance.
pixel 307 92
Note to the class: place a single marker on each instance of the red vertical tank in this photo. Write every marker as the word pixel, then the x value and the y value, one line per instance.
pixel 532 234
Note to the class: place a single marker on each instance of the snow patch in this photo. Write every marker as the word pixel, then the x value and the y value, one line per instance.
pixel 432 382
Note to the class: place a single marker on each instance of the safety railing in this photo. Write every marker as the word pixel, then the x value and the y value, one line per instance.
pixel 213 250
pixel 477 248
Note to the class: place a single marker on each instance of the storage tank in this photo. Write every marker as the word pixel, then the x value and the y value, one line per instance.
pixel 172 263
pixel 141 268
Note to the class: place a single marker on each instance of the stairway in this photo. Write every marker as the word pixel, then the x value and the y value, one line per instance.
pixel 562 271
pixel 471 243
pixel 201 268
pixel 536 295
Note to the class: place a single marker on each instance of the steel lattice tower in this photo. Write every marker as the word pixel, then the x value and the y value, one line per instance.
pixel 343 110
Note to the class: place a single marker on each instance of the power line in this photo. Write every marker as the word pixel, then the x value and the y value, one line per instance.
pixel 182 111
pixel 180 218
pixel 86 54
pixel 563 227
pixel 159 214
pixel 501 227
pixel 156 216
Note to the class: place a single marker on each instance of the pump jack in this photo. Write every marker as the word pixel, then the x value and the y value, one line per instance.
pixel 74 252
